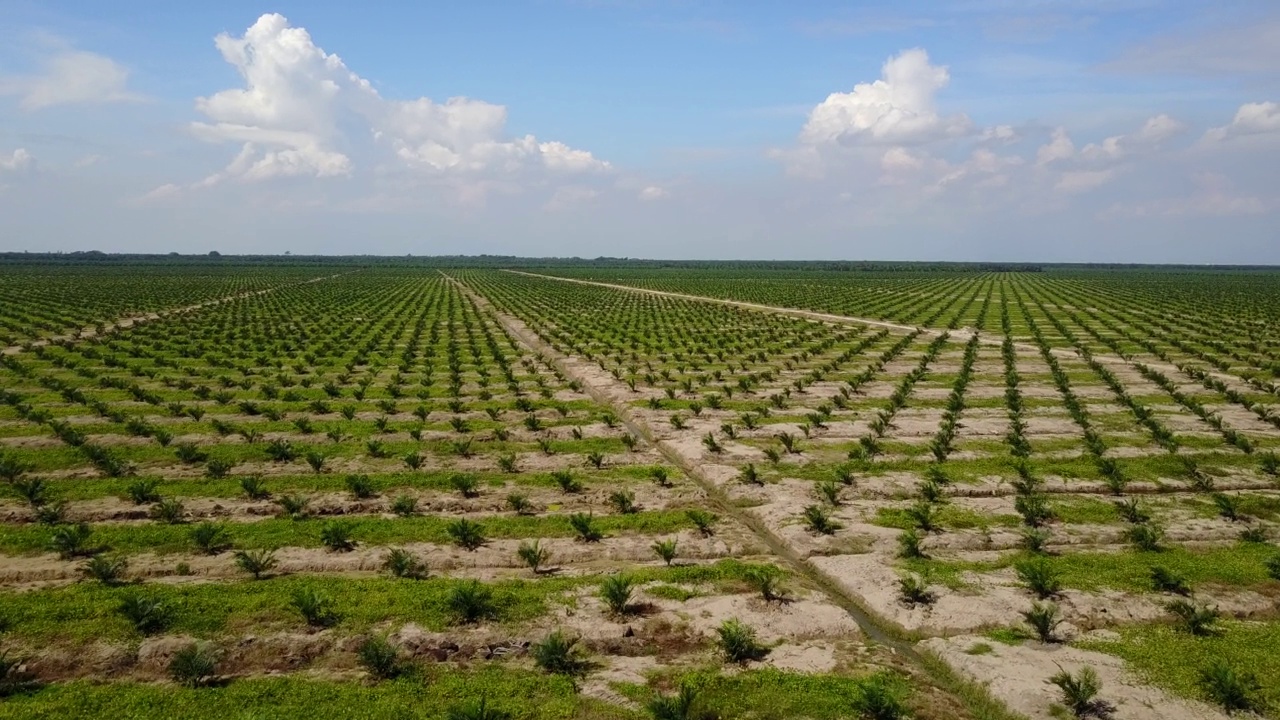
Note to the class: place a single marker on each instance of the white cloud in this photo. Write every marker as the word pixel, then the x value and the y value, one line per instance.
pixel 1000 135
pixel 653 192
pixel 1058 148
pixel 1159 129
pixel 1258 118
pixel 1078 181
pixel 899 158
pixel 1152 133
pixel 303 113
pixel 163 192
pixel 20 161
pixel 1111 150
pixel 898 108
pixel 71 77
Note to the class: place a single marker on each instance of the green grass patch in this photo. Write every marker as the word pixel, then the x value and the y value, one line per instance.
pixel 430 694
pixel 1172 659
pixel 280 532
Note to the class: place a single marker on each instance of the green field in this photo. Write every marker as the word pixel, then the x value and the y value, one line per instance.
pixel 840 460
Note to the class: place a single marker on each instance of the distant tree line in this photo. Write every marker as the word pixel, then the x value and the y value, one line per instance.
pixel 214 258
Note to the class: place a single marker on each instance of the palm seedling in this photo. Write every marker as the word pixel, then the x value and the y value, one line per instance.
pixel 828 491
pixel 1033 540
pixel 148 615
pixel 316 460
pixel 520 504
pixel 1145 537
pixel 34 490
pixel 766 580
pixel 360 487
pixel 924 515
pixel 218 468
pixel 470 602
pixel 533 555
pixel 337 536
pixel 914 590
pixel 817 519
pixel 681 706
pixel 379 658
pixel 193 666
pixel 566 481
pixel 404 505
pixel 909 544
pixel 1165 580
pixel 142 492
pixel 624 501
pixel 1079 693
pixel 254 488
pixel 616 591
pixel 466 484
pixel 210 538
pixel 1195 618
pixel 558 654
pixel 1132 511
pixel 256 562
pixel 169 510
pixel 54 513
pixel 1040 577
pixel 108 571
pixel 403 564
pixel 880 699
pixel 1230 688
pixel 466 534
pixel 315 607
pixel 507 464
pixel 71 541
pixel 584 525
pixel 665 550
pixel 703 521
pixel 1273 567
pixel 1044 620
pixel 738 642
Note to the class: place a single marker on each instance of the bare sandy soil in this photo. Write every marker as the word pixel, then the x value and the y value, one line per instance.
pixel 1019 675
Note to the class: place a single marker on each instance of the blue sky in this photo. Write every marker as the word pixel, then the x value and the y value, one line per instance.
pixel 1138 130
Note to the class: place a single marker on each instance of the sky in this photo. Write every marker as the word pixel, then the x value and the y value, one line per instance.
pixel 980 130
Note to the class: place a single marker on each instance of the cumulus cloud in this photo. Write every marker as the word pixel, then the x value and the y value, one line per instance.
pixel 1058 148
pixel 897 109
pixel 1000 135
pixel 1260 118
pixel 303 113
pixel 70 77
pixel 20 161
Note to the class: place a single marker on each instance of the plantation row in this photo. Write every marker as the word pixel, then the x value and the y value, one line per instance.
pixel 38 302
pixel 1227 322
pixel 950 483
pixel 364 493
